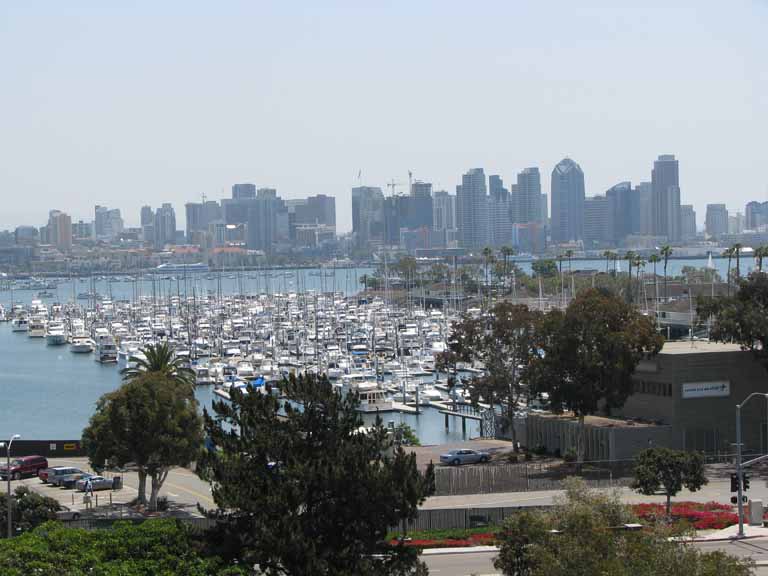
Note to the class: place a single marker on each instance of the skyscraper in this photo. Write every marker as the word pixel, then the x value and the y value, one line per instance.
pixel 444 210
pixel 472 209
pixel 499 213
pixel 368 216
pixel 567 194
pixel 420 205
pixel 194 214
pixel 60 230
pixel 687 222
pixel 716 222
pixel 597 224
pixel 665 181
pixel 147 216
pixel 99 217
pixel 526 196
pixel 644 195
pixel 245 191
pixel 624 217
pixel 165 226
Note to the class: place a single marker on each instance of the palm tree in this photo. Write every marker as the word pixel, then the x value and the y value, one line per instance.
pixel 666 252
pixel 506 252
pixel 737 251
pixel 488 256
pixel 608 255
pixel 729 253
pixel 760 253
pixel 159 359
pixel 654 259
pixel 629 256
pixel 639 263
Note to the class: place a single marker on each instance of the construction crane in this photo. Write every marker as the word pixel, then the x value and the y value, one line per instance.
pixel 392 185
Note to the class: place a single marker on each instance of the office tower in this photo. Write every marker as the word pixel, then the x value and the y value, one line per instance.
pixel 687 222
pixel 496 189
pixel 368 216
pixel 60 230
pixel 472 209
pixel 26 235
pixel 243 191
pixel 716 222
pixel 644 195
pixel 755 215
pixel 544 209
pixel 395 218
pixel 147 216
pixel 194 217
pixel 444 210
pixel 211 212
pixel 526 196
pixel 736 223
pixel 420 205
pixel 100 216
pixel 567 192
pixel 665 182
pixel 165 226
pixel 113 224
pixel 597 226
pixel 499 213
pixel 625 210
pixel 267 221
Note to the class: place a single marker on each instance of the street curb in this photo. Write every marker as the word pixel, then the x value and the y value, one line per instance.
pixel 462 550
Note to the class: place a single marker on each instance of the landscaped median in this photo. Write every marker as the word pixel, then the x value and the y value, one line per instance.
pixel 697 515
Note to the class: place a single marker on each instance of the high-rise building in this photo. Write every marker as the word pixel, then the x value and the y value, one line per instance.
pixel 82 230
pixel 756 215
pixel 736 223
pixel 597 225
pixel 165 226
pixel 26 235
pixel 665 182
pixel 444 210
pixel 420 206
pixel 624 205
pixel 60 230
pixel 319 210
pixel 567 193
pixel 544 209
pixel 472 209
pixel 644 195
pixel 687 222
pixel 716 222
pixel 526 196
pixel 194 215
pixel 147 215
pixel 368 216
pixel 500 223
pixel 268 222
pixel 244 191
pixel 99 217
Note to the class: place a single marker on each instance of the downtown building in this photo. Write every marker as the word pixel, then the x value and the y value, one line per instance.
pixel 665 186
pixel 472 210
pixel 368 225
pixel 716 221
pixel 567 195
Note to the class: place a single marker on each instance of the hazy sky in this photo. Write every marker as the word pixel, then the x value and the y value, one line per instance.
pixel 138 102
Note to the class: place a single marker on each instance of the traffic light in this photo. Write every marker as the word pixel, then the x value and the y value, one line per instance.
pixel 734 483
pixel 746 482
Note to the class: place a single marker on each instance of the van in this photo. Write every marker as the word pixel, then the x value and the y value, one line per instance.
pixel 24 466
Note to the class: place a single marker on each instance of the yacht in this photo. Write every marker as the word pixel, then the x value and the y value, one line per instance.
pixel 245 370
pixel 202 375
pixel 36 328
pixel 106 351
pixel 127 351
pixel 20 324
pixel 55 334
pixel 371 397
pixel 82 345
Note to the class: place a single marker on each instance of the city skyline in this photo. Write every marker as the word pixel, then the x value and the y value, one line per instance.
pixel 133 122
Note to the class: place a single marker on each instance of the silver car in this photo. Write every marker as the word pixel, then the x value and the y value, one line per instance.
pixel 97 483
pixel 464 456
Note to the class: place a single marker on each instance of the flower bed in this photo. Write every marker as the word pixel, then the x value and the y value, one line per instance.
pixel 425 540
pixel 702 516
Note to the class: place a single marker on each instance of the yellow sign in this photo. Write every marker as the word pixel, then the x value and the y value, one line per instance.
pixel 70 446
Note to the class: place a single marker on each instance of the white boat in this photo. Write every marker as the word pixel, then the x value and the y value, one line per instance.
pixel 127 351
pixel 20 324
pixel 245 370
pixel 106 351
pixel 372 398
pixel 55 334
pixel 82 345
pixel 202 375
pixel 36 328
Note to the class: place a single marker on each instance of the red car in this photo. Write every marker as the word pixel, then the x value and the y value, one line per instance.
pixel 24 466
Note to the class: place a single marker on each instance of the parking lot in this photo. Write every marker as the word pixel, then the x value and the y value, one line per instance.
pixel 182 488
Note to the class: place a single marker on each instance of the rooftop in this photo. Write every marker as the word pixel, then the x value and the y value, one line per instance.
pixel 698 347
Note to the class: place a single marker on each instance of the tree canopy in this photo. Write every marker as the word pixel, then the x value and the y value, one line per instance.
pixel 670 470
pixel 29 510
pixel 305 489
pixel 160 359
pixel 151 422
pixel 583 536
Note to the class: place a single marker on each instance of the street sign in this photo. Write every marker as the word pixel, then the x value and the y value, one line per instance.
pixel 706 389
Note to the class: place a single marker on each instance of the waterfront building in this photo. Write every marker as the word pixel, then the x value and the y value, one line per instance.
pixel 716 222
pixel 756 215
pixel 368 216
pixel 472 209
pixel 597 225
pixel 625 208
pixel 665 182
pixel 567 190
pixel 687 222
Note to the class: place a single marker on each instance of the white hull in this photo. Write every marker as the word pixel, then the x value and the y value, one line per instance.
pixel 56 339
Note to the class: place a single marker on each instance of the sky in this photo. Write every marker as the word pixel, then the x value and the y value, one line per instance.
pixel 142 102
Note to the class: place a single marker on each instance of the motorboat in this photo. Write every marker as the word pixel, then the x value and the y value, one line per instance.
pixel 55 334
pixel 202 375
pixel 36 328
pixel 20 324
pixel 82 345
pixel 106 351
pixel 371 398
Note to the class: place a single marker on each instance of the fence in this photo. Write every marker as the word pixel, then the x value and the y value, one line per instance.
pixel 529 476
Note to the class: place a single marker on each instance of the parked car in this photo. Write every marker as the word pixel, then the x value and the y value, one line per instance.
pixel 464 456
pixel 69 480
pixel 23 466
pixel 52 475
pixel 97 483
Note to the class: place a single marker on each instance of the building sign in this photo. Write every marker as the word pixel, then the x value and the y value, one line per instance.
pixel 706 389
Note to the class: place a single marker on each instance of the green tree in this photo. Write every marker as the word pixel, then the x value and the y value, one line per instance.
pixel 162 547
pixel 737 248
pixel 29 509
pixel 666 252
pixel 655 259
pixel 160 359
pixel 151 422
pixel 657 468
pixel 505 341
pixel 304 490
pixel 544 268
pixel 583 536
pixel 760 253
pixel 589 353
pixel 506 253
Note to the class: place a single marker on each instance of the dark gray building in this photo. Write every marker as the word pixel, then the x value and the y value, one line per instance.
pixel 597 225
pixel 165 226
pixel 567 197
pixel 665 182
pixel 716 222
pixel 526 197
pixel 368 216
pixel 244 191
pixel 687 222
pixel 625 205
pixel 472 209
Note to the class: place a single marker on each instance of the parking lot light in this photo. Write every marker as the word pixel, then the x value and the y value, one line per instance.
pixel 8 478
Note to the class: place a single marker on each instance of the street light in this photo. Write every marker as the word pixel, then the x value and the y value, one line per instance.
pixel 739 465
pixel 8 477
